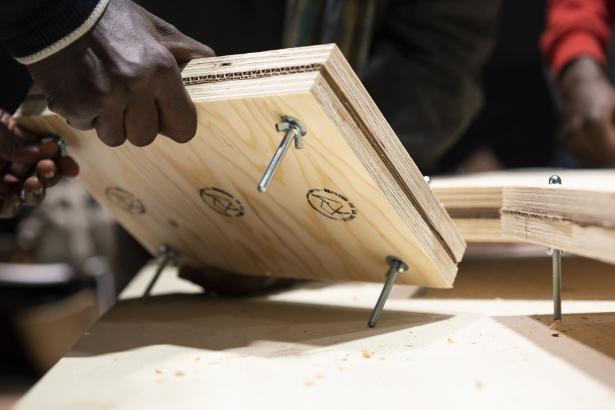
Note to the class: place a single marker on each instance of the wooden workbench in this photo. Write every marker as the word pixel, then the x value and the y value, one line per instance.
pixel 483 345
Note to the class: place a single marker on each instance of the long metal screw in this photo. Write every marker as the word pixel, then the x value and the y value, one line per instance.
pixel 294 130
pixel 396 266
pixel 166 256
pixel 556 262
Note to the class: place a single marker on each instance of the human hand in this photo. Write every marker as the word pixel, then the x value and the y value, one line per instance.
pixel 123 78
pixel 588 128
pixel 29 165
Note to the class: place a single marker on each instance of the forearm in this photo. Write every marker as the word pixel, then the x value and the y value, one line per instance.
pixel 31 30
pixel 577 28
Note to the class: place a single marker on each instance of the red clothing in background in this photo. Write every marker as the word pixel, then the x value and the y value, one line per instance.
pixel 577 28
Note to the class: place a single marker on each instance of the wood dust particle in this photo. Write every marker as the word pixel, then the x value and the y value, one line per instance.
pixel 320 376
pixel 555 334
pixel 450 340
pixel 179 373
pixel 196 359
pixel 382 358
pixel 366 353
pixel 158 371
pixel 308 383
pixel 478 385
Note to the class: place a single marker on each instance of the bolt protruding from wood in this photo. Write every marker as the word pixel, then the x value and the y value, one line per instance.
pixel 555 180
pixel 294 130
pixel 396 266
pixel 167 255
pixel 556 267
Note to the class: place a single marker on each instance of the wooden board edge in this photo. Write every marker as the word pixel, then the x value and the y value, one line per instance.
pixel 589 241
pixel 341 76
pixel 579 206
pixel 440 258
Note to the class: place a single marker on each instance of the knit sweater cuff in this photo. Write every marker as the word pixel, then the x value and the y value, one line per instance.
pixel 58 30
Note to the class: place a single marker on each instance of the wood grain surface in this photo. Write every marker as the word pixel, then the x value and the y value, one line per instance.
pixel 580 221
pixel 334 210
pixel 474 201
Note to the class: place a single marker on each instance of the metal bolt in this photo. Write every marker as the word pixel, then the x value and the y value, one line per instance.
pixel 166 254
pixel 556 261
pixel 294 130
pixel 63 144
pixel 555 180
pixel 556 264
pixel 61 141
pixel 396 266
pixel 427 179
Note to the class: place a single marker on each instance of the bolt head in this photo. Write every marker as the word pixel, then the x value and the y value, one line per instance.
pixel 288 122
pixel 166 250
pixel 555 180
pixel 427 178
pixel 395 262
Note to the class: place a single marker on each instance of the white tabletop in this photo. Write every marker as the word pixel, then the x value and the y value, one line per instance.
pixel 484 345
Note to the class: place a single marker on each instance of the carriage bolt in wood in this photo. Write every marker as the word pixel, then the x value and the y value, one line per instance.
pixel 165 255
pixel 396 266
pixel 556 262
pixel 294 130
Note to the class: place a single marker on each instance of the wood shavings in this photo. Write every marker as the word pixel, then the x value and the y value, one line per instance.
pixel 555 325
pixel 179 373
pixel 366 353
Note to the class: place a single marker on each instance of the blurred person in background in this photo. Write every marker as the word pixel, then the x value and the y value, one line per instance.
pixel 575 44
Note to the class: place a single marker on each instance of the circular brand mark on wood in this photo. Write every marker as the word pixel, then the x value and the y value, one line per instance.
pixel 331 204
pixel 125 200
pixel 222 202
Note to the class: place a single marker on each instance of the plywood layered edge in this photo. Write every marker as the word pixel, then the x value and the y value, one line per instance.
pixel 579 221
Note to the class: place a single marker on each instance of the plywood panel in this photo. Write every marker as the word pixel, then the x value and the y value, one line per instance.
pixel 335 209
pixel 581 221
pixel 474 201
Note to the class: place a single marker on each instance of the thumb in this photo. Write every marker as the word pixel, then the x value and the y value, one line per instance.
pixel 182 47
pixel 185 48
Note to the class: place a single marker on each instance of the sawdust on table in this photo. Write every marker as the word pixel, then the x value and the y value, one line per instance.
pixel 366 353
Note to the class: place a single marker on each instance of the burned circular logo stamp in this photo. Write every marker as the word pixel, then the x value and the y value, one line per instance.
pixel 125 200
pixel 331 204
pixel 222 202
